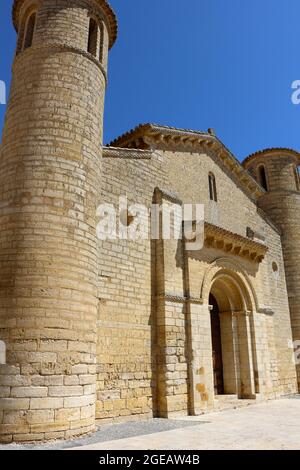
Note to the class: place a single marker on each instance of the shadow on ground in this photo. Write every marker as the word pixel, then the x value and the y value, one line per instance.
pixel 109 433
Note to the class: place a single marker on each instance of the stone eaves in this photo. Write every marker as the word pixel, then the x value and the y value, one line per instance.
pixel 229 242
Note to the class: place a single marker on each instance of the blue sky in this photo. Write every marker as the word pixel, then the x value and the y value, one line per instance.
pixel 226 64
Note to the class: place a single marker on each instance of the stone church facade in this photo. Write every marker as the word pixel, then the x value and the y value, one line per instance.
pixel 102 330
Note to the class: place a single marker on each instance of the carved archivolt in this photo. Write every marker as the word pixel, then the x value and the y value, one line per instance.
pixel 226 267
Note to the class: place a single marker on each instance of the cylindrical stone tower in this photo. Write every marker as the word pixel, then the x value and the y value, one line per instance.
pixel 277 172
pixel 50 178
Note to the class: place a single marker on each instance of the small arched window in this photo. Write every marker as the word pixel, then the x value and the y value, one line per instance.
pixel 212 187
pixel 29 31
pixel 262 177
pixel 93 37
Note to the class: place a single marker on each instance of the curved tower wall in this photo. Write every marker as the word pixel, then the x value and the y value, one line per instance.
pixel 282 203
pixel 50 177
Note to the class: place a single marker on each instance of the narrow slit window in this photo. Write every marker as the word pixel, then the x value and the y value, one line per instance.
pixel 101 43
pixel 262 177
pixel 212 187
pixel 297 178
pixel 29 31
pixel 93 37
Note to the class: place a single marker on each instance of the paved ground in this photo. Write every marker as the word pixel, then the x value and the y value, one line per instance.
pixel 272 425
pixel 114 432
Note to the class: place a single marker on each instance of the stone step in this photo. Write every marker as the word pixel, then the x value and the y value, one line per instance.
pixel 226 397
pixel 226 402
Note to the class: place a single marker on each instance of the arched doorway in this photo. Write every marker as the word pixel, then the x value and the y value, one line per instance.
pixel 231 336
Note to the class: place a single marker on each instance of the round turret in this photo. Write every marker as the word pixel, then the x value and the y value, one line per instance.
pixel 277 172
pixel 50 179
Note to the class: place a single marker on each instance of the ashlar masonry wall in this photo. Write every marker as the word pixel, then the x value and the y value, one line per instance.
pixel 132 377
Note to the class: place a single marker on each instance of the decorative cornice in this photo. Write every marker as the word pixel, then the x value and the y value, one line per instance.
pixel 249 313
pixel 271 151
pixel 234 244
pixel 129 154
pixel 179 299
pixel 103 4
pixel 222 239
pixel 153 136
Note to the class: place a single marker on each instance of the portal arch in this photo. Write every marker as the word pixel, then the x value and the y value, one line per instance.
pixel 234 362
pixel 233 271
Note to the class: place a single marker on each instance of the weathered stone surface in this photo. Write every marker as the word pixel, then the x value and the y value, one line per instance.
pixel 282 204
pixel 50 178
pixel 120 329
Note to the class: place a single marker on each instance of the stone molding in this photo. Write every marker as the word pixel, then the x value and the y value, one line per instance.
pixel 179 299
pixel 63 48
pixel 232 243
pixel 240 313
pixel 173 298
pixel 130 154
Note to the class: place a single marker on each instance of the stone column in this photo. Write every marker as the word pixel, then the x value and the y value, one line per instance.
pixel 171 359
pixel 201 386
pixel 244 359
pixel 228 353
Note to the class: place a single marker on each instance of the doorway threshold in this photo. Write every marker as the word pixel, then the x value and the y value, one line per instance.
pixel 227 402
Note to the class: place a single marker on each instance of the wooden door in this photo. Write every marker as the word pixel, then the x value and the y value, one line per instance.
pixel 217 352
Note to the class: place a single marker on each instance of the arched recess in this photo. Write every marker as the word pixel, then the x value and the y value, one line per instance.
pixel 235 271
pixel 30 27
pixel 27 26
pixel 232 298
